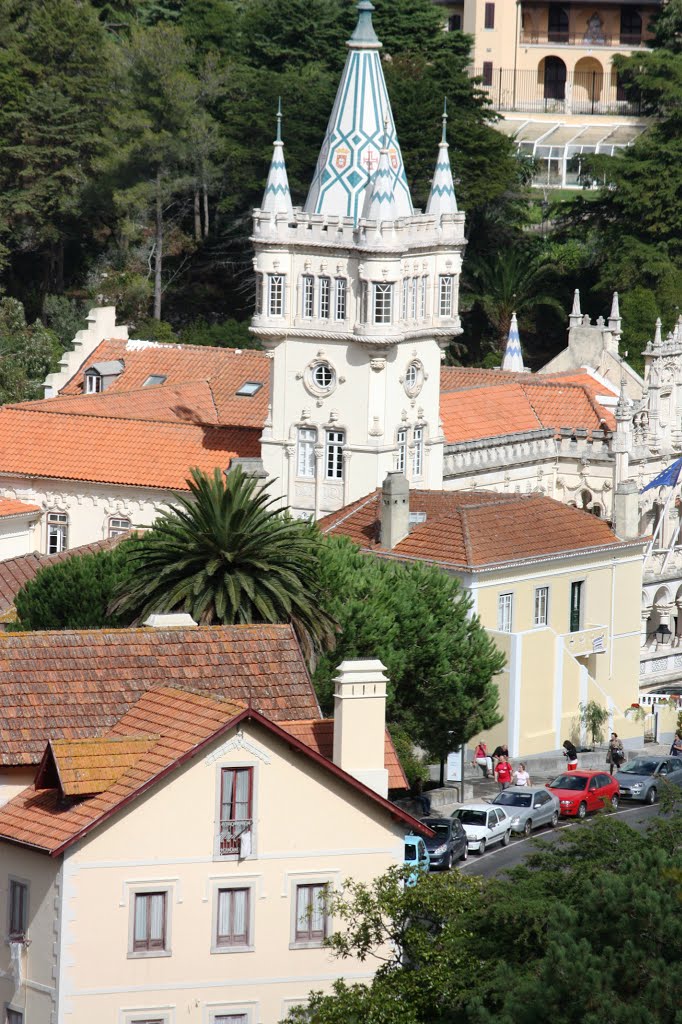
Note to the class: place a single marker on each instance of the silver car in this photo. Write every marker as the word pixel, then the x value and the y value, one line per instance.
pixel 643 778
pixel 529 807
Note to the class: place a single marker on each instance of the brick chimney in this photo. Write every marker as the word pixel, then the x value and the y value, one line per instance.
pixel 360 722
pixel 395 509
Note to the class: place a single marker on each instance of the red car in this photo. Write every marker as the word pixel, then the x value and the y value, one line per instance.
pixel 580 792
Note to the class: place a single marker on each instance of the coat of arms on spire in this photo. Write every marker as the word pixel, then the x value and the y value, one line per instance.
pixel 356 133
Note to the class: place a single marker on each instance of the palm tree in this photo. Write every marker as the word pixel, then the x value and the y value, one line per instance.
pixel 226 555
pixel 511 281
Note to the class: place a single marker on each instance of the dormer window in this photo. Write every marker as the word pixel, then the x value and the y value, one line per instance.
pixel 154 379
pixel 99 376
pixel 93 382
pixel 249 388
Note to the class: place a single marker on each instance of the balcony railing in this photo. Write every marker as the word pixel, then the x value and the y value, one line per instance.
pixel 235 836
pixel 578 92
pixel 544 38
pixel 591 640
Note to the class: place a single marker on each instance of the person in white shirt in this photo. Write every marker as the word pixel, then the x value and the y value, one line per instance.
pixel 521 776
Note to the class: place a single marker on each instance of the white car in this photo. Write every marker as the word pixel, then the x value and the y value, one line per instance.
pixel 484 825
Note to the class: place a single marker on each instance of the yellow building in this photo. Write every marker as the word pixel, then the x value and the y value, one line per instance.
pixel 553 586
pixel 173 870
pixel 553 63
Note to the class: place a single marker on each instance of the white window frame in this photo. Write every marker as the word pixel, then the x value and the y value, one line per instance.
pixel 238 1011
pixel 18 936
pixel 307 296
pixel 341 298
pixel 401 455
pixel 147 889
pixel 164 1014
pixel 116 529
pixel 505 612
pixel 276 294
pixel 446 290
pixel 57 527
pixel 325 297
pixel 305 453
pixel 405 298
pixel 94 384
pixel 333 454
pixel 315 943
pixel 418 452
pixel 541 606
pixel 233 883
pixel 382 302
pixel 415 295
pixel 422 297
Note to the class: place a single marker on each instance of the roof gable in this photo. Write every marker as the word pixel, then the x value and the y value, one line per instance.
pixel 86 767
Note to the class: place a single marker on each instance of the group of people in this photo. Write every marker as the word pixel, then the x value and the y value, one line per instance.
pixel 497 765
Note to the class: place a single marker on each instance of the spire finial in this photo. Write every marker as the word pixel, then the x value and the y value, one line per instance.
pixel 364 36
pixel 279 119
pixel 623 404
pixel 657 333
pixel 513 358
pixel 277 198
pixel 444 137
pixel 442 197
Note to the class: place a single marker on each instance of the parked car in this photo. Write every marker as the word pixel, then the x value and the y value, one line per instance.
pixel 642 778
pixel 580 792
pixel 416 857
pixel 449 843
pixel 484 825
pixel 529 807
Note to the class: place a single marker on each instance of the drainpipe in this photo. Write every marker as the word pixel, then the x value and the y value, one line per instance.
pixel 516 49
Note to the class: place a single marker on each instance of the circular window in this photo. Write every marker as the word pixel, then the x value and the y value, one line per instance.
pixel 414 378
pixel 323 376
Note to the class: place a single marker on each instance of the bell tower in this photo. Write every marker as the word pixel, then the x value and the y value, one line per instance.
pixel 357 295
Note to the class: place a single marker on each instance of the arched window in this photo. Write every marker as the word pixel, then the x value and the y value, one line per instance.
pixel 555 78
pixel 557 24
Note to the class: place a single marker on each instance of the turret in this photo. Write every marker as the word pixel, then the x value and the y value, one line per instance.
pixel 442 198
pixel 513 357
pixel 277 198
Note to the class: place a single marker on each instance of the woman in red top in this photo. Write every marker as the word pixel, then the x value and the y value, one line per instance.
pixel 503 771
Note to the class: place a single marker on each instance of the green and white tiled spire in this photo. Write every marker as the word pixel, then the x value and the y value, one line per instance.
pixel 380 194
pixel 277 197
pixel 442 198
pixel 355 135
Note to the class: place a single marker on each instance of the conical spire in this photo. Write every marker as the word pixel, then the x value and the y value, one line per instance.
pixel 658 340
pixel 355 134
pixel 277 197
pixel 513 359
pixel 614 316
pixel 442 198
pixel 576 317
pixel 379 197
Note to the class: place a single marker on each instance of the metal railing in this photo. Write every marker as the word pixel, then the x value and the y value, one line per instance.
pixel 541 92
pixel 534 37
pixel 231 834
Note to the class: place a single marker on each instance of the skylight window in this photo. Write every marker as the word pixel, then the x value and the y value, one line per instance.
pixel 154 379
pixel 416 517
pixel 249 388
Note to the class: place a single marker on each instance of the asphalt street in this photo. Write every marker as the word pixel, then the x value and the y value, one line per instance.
pixel 498 858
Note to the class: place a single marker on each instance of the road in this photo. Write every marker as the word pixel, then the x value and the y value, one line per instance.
pixel 498 858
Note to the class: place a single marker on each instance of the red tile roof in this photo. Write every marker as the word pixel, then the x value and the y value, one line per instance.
pixel 319 734
pixel 76 684
pixel 176 403
pixel 10 507
pixel 475 530
pixel 117 451
pixel 185 724
pixel 86 767
pixel 15 572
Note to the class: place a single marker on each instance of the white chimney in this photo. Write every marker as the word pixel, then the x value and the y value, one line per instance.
pixel 360 722
pixel 170 620
pixel 395 509
pixel 626 511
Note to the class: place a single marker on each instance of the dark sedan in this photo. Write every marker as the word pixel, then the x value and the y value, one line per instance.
pixel 448 844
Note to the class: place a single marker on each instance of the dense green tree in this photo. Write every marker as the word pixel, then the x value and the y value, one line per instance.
pixel 225 554
pixel 76 593
pixel 27 354
pixel 416 619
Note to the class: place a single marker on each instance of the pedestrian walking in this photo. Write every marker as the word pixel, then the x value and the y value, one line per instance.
pixel 615 755
pixel 571 755
pixel 482 759
pixel 676 748
pixel 503 772
pixel 521 776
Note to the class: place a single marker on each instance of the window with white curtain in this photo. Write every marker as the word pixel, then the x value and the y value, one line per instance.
pixel 325 297
pixel 233 918
pixel 312 922
pixel 541 606
pixel 308 295
pixel 149 926
pixel 418 452
pixel 236 809
pixel 230 1018
pixel 306 453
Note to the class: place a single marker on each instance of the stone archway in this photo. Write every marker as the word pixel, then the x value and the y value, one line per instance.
pixel 553 72
pixel 588 86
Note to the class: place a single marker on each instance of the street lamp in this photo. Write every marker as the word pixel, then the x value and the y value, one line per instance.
pixel 663 634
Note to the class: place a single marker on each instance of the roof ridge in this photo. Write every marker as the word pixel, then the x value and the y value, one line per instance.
pixel 123 419
pixel 361 503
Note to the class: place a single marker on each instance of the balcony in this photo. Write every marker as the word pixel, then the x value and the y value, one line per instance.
pixel 548 38
pixel 235 837
pixel 552 90
pixel 591 640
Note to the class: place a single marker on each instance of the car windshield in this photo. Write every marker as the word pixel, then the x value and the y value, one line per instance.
pixel 513 799
pixel 468 817
pixel 568 782
pixel 441 828
pixel 641 766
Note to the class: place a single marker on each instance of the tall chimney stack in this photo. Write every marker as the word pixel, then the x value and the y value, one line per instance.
pixel 626 510
pixel 360 722
pixel 395 509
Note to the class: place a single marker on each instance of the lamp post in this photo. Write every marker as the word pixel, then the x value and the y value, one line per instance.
pixel 663 634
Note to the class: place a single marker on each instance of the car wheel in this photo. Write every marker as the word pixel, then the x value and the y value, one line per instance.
pixel 651 796
pixel 555 819
pixel 465 853
pixel 506 837
pixel 481 846
pixel 449 863
pixel 582 810
pixel 614 801
pixel 528 827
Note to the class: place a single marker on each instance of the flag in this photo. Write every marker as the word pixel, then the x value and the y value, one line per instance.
pixel 668 478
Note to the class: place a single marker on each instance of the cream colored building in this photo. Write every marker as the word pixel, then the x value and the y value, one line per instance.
pixel 174 869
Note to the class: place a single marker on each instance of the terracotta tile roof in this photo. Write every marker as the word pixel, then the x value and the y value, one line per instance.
pixel 319 734
pixel 177 403
pixel 477 529
pixel 455 378
pixel 118 451
pixel 10 507
pixel 184 723
pixel 224 370
pixel 510 408
pixel 77 684
pixel 86 767
pixel 15 572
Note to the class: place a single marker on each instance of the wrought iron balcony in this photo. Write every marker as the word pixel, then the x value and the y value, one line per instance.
pixel 533 37
pixel 552 90
pixel 233 836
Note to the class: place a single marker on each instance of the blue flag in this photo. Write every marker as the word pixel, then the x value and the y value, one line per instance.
pixel 668 478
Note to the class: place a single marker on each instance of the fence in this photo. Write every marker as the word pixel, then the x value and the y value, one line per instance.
pixel 551 90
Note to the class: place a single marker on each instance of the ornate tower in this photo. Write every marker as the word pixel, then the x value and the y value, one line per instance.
pixel 357 294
